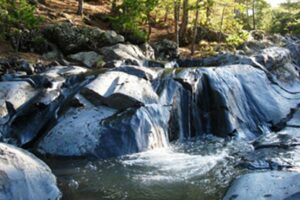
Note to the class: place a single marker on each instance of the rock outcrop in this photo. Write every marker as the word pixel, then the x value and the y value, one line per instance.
pixel 73 39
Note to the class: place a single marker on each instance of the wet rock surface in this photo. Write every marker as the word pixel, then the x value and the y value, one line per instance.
pixel 72 111
pixel 24 176
pixel 272 185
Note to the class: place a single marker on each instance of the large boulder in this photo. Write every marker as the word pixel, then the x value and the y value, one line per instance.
pixel 120 90
pixel 102 132
pixel 265 185
pixel 231 100
pixel 166 50
pixel 72 39
pixel 23 176
pixel 29 103
pixel 77 132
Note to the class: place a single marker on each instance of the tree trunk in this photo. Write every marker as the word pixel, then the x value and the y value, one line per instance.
pixel 248 17
pixel 195 28
pixel 253 15
pixel 166 13
pixel 184 19
pixel 80 7
pixel 149 26
pixel 113 6
pixel 208 12
pixel 176 19
pixel 222 21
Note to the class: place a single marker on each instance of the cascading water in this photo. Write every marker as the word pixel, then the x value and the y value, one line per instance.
pixel 194 169
pixel 140 133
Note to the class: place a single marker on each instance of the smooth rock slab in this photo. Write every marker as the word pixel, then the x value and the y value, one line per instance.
pixel 77 132
pixel 103 133
pixel 23 176
pixel 237 98
pixel 120 90
pixel 273 185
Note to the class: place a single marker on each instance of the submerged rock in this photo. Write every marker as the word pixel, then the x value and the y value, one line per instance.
pixel 23 176
pixel 274 185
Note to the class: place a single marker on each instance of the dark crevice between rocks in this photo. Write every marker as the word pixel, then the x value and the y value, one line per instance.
pixel 283 123
pixel 276 145
pixel 45 116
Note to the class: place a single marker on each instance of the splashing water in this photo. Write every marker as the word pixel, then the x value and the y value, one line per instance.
pixel 198 169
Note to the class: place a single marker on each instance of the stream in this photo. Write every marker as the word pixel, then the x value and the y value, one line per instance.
pixel 199 169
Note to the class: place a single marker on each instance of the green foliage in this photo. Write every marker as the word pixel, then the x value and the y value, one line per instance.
pixel 286 19
pixel 132 14
pixel 17 15
pixel 235 40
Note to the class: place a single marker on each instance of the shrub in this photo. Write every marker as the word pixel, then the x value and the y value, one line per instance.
pixel 235 40
pixel 17 15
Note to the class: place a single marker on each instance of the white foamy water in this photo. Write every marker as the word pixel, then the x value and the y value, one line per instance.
pixel 169 165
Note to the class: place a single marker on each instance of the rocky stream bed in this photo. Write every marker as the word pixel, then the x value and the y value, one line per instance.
pixel 223 127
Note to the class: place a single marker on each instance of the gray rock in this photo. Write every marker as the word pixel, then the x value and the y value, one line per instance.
pixel 72 39
pixel 274 185
pixel 16 93
pixel 23 176
pixel 89 59
pixel 235 99
pixel 273 57
pixel 166 50
pixel 123 52
pixel 99 132
pixel 275 151
pixel 120 90
pixel 77 132
pixel 148 51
